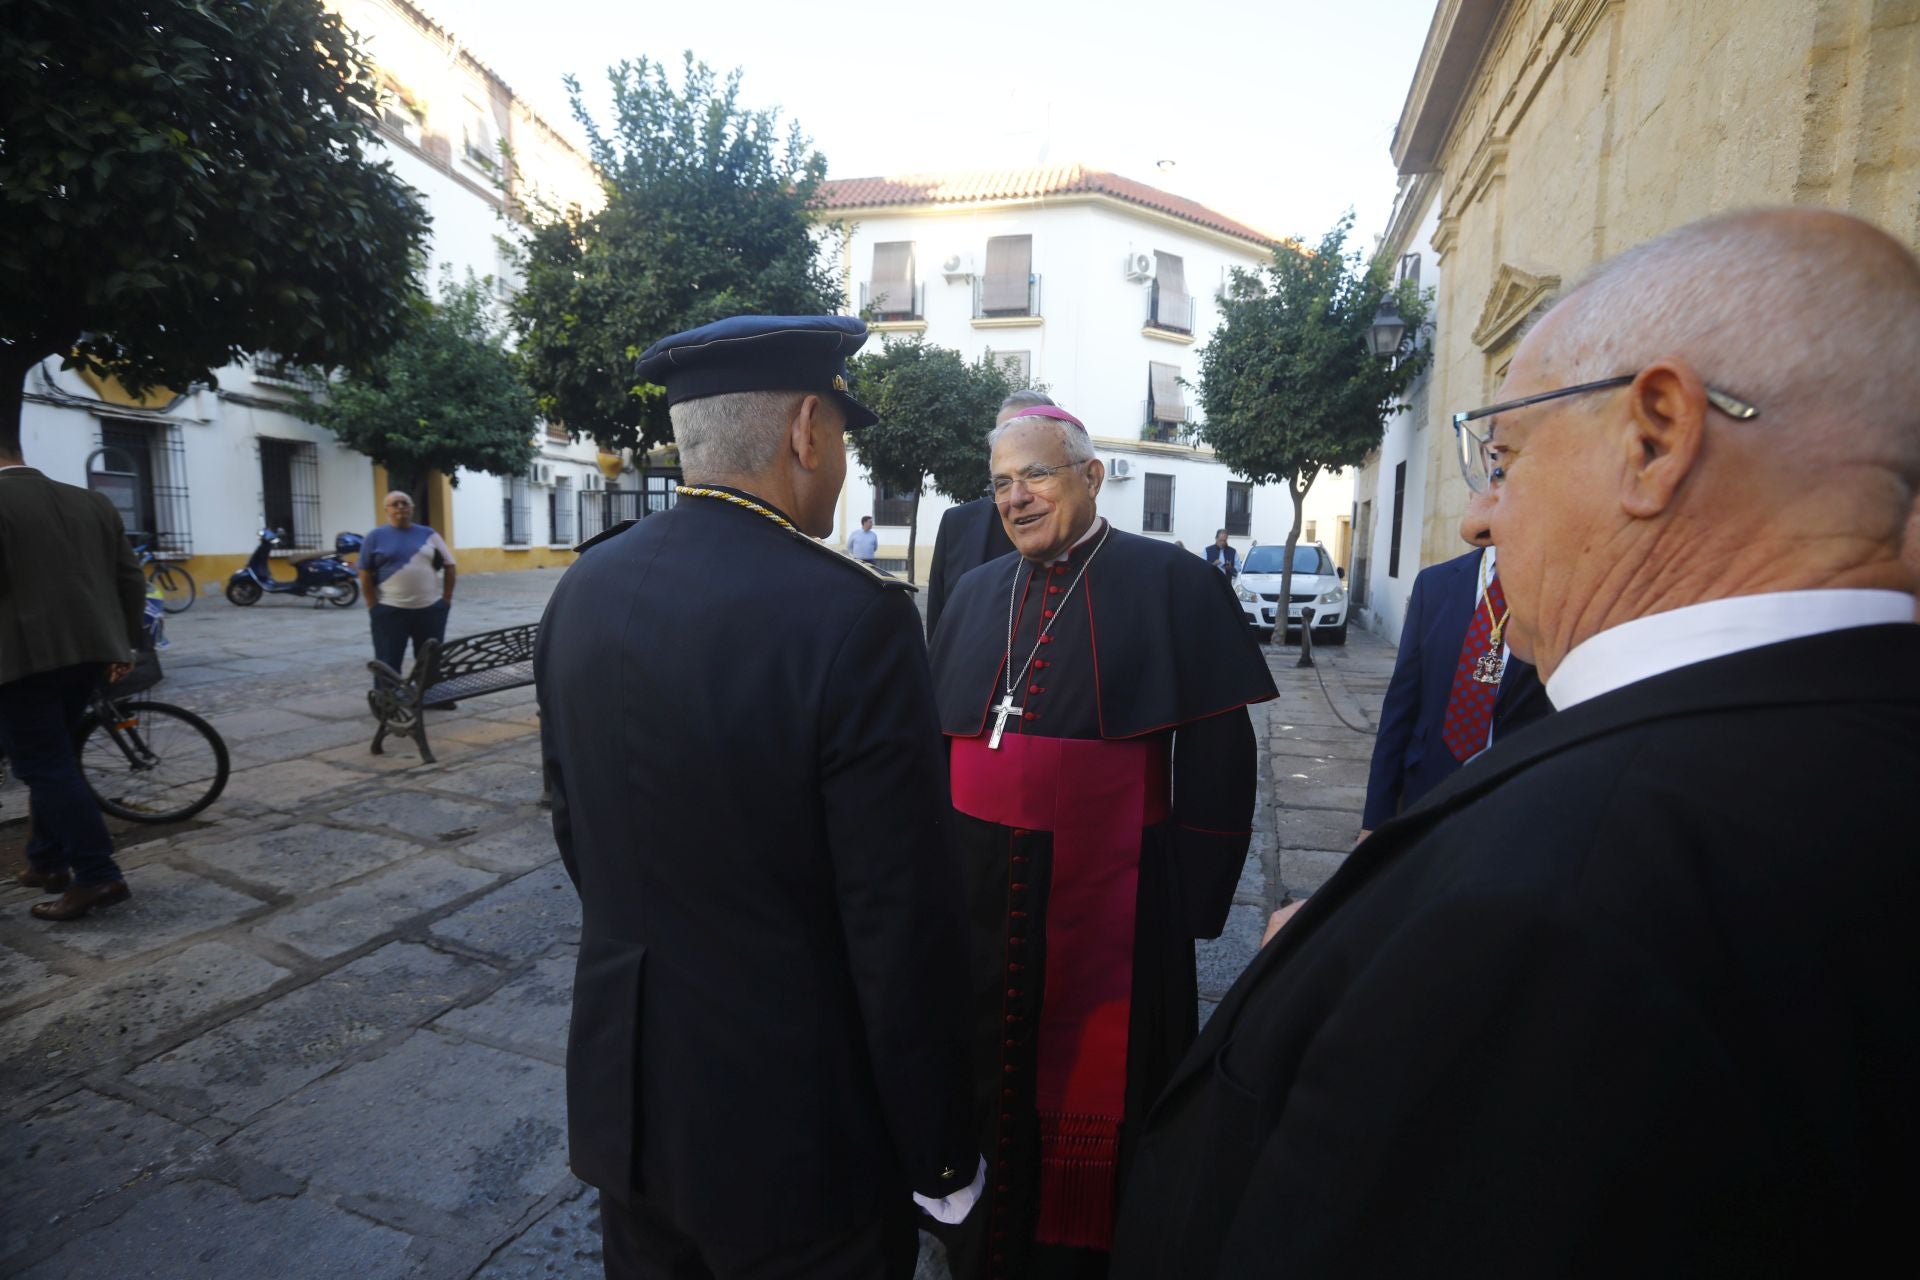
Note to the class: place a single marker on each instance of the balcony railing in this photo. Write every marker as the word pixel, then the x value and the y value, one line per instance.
pixel 1162 431
pixel 893 310
pixel 1032 307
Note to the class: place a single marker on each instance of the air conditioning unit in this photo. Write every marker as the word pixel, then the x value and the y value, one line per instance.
pixel 1119 469
pixel 540 473
pixel 1139 266
pixel 958 267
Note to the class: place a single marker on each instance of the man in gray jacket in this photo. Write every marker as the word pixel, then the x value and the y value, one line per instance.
pixel 71 603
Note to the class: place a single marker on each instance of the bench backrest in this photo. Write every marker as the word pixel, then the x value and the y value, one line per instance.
pixel 488 651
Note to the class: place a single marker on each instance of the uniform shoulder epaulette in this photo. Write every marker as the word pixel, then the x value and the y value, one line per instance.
pixel 608 532
pixel 879 577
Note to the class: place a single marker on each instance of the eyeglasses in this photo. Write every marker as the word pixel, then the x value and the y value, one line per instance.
pixel 1476 451
pixel 1037 479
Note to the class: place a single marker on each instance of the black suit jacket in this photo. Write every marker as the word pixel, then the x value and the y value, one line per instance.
pixel 770 1009
pixel 1597 1006
pixel 1215 553
pixel 71 591
pixel 1410 758
pixel 970 535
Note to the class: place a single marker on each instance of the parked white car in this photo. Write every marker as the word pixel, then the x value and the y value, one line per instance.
pixel 1317 583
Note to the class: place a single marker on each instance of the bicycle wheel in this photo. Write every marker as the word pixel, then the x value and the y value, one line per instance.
pixel 176 586
pixel 153 762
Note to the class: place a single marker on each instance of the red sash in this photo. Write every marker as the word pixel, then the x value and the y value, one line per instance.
pixel 1096 798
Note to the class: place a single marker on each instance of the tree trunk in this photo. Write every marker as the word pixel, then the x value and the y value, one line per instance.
pixel 16 362
pixel 913 529
pixel 1299 498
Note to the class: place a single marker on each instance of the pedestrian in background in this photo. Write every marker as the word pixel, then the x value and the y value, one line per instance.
pixel 72 604
pixel 1456 686
pixel 863 544
pixel 407 571
pixel 1222 556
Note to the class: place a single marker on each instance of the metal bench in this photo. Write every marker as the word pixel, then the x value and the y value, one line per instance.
pixel 445 672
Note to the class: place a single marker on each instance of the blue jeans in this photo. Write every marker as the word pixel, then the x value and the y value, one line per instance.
pixel 37 717
pixel 393 628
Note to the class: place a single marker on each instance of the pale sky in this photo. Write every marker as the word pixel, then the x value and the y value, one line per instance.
pixel 1278 114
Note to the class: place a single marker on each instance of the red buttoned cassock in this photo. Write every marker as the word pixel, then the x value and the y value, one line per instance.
pixel 1104 834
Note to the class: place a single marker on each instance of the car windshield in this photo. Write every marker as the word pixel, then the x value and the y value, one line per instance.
pixel 1273 559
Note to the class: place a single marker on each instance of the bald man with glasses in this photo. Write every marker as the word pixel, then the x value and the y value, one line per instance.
pixel 1633 992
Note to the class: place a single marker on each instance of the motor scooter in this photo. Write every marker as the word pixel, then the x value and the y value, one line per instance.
pixel 324 576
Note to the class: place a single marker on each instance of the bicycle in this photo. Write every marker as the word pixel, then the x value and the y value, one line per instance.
pixel 176 585
pixel 149 762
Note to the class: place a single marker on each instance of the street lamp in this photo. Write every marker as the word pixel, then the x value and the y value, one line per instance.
pixel 1388 329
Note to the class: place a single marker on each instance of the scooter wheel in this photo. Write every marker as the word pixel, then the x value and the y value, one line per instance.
pixel 343 593
pixel 243 591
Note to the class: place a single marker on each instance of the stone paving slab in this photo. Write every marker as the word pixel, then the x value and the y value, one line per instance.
pixel 516 781
pixel 1316 828
pixel 79 1032
pixel 287 785
pixel 208 1231
pixel 368 908
pixel 528 1015
pixel 522 919
pixel 563 1245
pixel 261 722
pixel 167 905
pixel 23 976
pixel 425 817
pixel 71 1160
pixel 305 856
pixel 521 847
pixel 1218 965
pixel 479 732
pixel 1320 771
pixel 436 1129
pixel 1335 744
pixel 318 735
pixel 244 1066
pixel 1304 870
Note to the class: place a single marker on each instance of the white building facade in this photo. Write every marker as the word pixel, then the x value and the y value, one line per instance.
pixel 200 471
pixel 1099 289
pixel 1389 512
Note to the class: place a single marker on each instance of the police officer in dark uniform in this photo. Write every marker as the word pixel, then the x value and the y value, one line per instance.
pixel 768 1051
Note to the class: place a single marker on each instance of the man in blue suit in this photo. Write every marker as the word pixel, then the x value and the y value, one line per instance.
pixel 1437 714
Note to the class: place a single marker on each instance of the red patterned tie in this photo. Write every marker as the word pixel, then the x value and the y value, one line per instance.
pixel 1470 706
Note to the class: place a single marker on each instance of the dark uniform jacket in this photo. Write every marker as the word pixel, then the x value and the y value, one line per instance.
pixel 1410 755
pixel 970 535
pixel 749 791
pixel 70 589
pixel 1632 994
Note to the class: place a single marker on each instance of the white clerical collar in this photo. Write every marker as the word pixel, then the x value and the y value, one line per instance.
pixel 1661 642
pixel 1079 542
pixel 16 466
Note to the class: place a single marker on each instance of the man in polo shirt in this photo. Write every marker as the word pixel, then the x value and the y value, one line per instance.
pixel 407 572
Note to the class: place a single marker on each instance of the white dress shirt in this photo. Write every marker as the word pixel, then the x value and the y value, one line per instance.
pixel 1662 642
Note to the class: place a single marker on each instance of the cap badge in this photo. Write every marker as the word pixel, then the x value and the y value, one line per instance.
pixel 839 383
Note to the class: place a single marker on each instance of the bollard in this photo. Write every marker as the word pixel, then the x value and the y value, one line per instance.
pixel 1306 637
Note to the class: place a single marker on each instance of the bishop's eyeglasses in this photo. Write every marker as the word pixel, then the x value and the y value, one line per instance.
pixel 1037 479
pixel 1476 451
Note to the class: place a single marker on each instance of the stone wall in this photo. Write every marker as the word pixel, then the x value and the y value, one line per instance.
pixel 1591 125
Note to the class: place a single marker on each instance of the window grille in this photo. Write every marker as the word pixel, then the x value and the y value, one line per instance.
pixel 1239 519
pixel 893 506
pixel 516 512
pixel 1399 510
pixel 560 512
pixel 153 507
pixel 290 490
pixel 1157 515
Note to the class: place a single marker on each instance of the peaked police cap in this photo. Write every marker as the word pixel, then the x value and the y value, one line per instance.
pixel 760 353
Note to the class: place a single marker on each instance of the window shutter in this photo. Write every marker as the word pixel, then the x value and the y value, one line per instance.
pixel 891 290
pixel 1174 307
pixel 1009 266
pixel 1165 381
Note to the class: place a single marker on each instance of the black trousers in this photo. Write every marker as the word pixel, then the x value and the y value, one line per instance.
pixel 394 629
pixel 37 717
pixel 640 1243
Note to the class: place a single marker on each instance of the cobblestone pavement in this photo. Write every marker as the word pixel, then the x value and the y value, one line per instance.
pixel 326 1035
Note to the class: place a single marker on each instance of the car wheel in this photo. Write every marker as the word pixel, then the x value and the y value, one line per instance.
pixel 1335 635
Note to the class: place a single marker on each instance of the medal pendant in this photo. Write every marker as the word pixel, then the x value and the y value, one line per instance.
pixel 1489 668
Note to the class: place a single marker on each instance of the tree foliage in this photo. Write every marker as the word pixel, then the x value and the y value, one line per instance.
pixel 935 410
pixel 183 182
pixel 445 396
pixel 706 216
pixel 1287 383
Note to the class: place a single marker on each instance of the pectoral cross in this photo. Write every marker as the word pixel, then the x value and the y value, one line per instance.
pixel 1003 709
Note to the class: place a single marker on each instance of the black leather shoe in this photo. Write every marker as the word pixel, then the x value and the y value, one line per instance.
pixel 51 881
pixel 77 902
